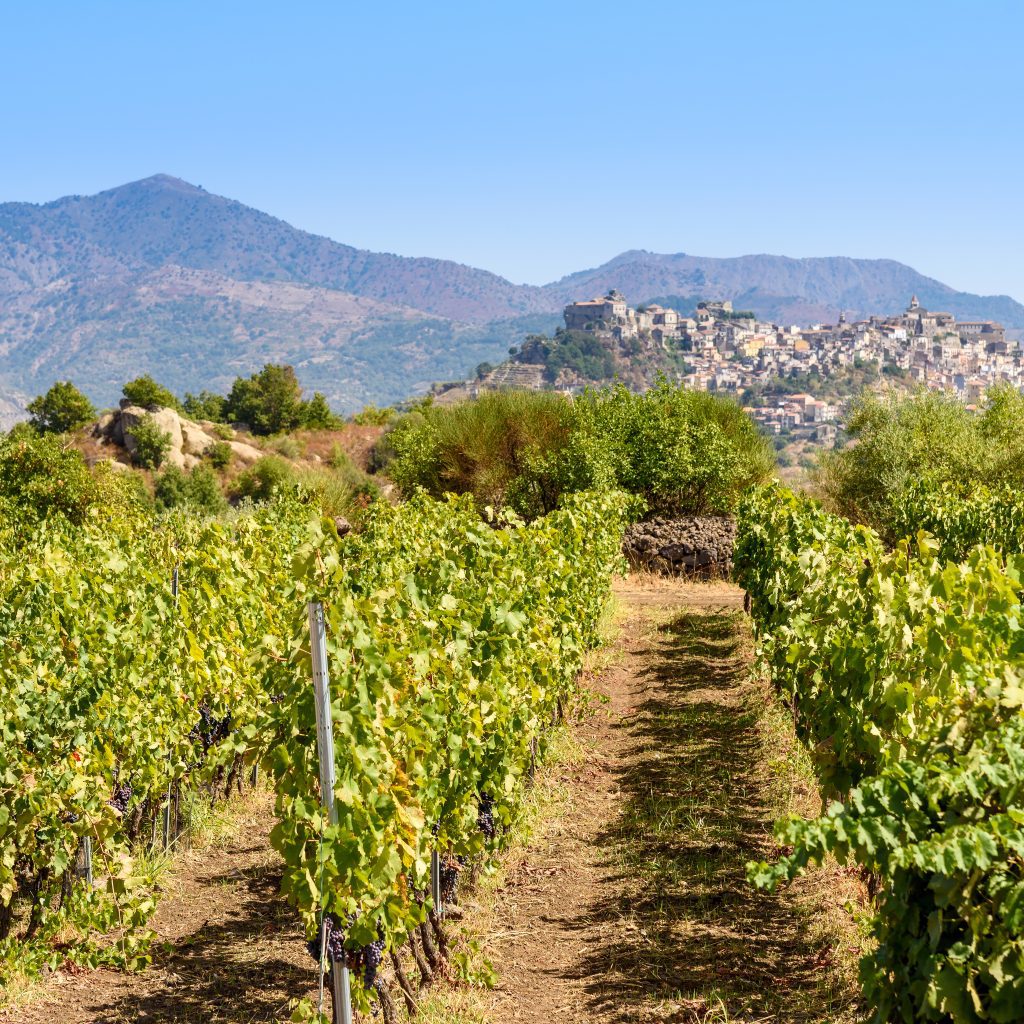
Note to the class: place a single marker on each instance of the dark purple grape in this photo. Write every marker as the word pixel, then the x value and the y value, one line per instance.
pixel 450 869
pixel 371 957
pixel 121 797
pixel 335 942
pixel 209 729
pixel 485 817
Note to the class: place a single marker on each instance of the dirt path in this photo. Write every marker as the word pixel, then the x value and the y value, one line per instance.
pixel 632 904
pixel 229 948
pixel 629 904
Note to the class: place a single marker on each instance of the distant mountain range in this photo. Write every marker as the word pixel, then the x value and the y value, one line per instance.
pixel 160 276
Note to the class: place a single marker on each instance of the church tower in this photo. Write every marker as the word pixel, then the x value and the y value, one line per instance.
pixel 914 304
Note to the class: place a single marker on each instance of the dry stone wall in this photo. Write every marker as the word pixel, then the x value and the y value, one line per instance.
pixel 701 545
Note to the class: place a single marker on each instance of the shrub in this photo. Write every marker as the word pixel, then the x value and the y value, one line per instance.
pixel 151 443
pixel 145 391
pixel 484 447
pixel 41 476
pixel 286 446
pixel 61 409
pixel 371 416
pixel 219 454
pixel 360 483
pixel 331 492
pixel 900 439
pixel 263 477
pixel 197 490
pixel 681 452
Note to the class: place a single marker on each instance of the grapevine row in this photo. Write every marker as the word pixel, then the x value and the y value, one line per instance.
pixel 452 644
pixel 905 674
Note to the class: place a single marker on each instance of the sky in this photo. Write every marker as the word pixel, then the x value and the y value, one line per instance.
pixel 539 138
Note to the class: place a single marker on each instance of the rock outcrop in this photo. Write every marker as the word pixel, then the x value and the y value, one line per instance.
pixel 691 544
pixel 188 439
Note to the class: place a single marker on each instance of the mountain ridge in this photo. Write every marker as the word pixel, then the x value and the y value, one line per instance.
pixel 161 276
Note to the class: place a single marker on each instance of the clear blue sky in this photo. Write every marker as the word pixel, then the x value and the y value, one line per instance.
pixel 535 139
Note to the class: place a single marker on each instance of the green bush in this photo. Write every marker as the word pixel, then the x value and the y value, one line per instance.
pixel 682 452
pixel 286 446
pixel 41 476
pixel 371 416
pixel 198 490
pixel 206 406
pixel 330 491
pixel 902 440
pixel 219 454
pixel 151 443
pixel 263 477
pixel 149 394
pixel 61 409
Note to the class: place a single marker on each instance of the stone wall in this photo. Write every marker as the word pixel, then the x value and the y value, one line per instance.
pixel 692 544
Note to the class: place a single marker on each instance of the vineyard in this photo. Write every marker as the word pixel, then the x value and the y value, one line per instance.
pixel 396 691
pixel 148 662
pixel 904 675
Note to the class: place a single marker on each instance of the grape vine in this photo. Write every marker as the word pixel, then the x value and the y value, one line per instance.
pixel 904 672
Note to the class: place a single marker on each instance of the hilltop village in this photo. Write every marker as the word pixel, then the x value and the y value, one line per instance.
pixel 729 350
pixel 719 348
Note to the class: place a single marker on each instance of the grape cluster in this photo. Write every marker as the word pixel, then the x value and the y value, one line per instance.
pixel 450 869
pixel 485 817
pixel 369 957
pixel 335 942
pixel 209 730
pixel 122 795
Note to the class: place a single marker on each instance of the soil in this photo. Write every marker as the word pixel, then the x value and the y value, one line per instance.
pixel 629 902
pixel 229 948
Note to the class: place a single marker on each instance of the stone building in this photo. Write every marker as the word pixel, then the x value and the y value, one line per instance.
pixel 611 315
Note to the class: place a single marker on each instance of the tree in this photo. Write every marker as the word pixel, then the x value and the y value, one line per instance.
pixel 61 409
pixel 151 443
pixel 146 392
pixel 317 415
pixel 207 405
pixel 269 401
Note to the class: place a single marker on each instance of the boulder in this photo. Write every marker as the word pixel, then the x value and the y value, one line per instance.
pixel 246 452
pixel 104 426
pixel 167 420
pixel 196 440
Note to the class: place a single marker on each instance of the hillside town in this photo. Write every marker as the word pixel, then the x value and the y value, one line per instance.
pixel 732 351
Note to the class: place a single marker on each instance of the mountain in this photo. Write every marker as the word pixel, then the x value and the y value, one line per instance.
pixel 784 290
pixel 163 277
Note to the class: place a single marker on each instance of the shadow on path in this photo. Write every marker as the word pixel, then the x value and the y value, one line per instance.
pixel 685 937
